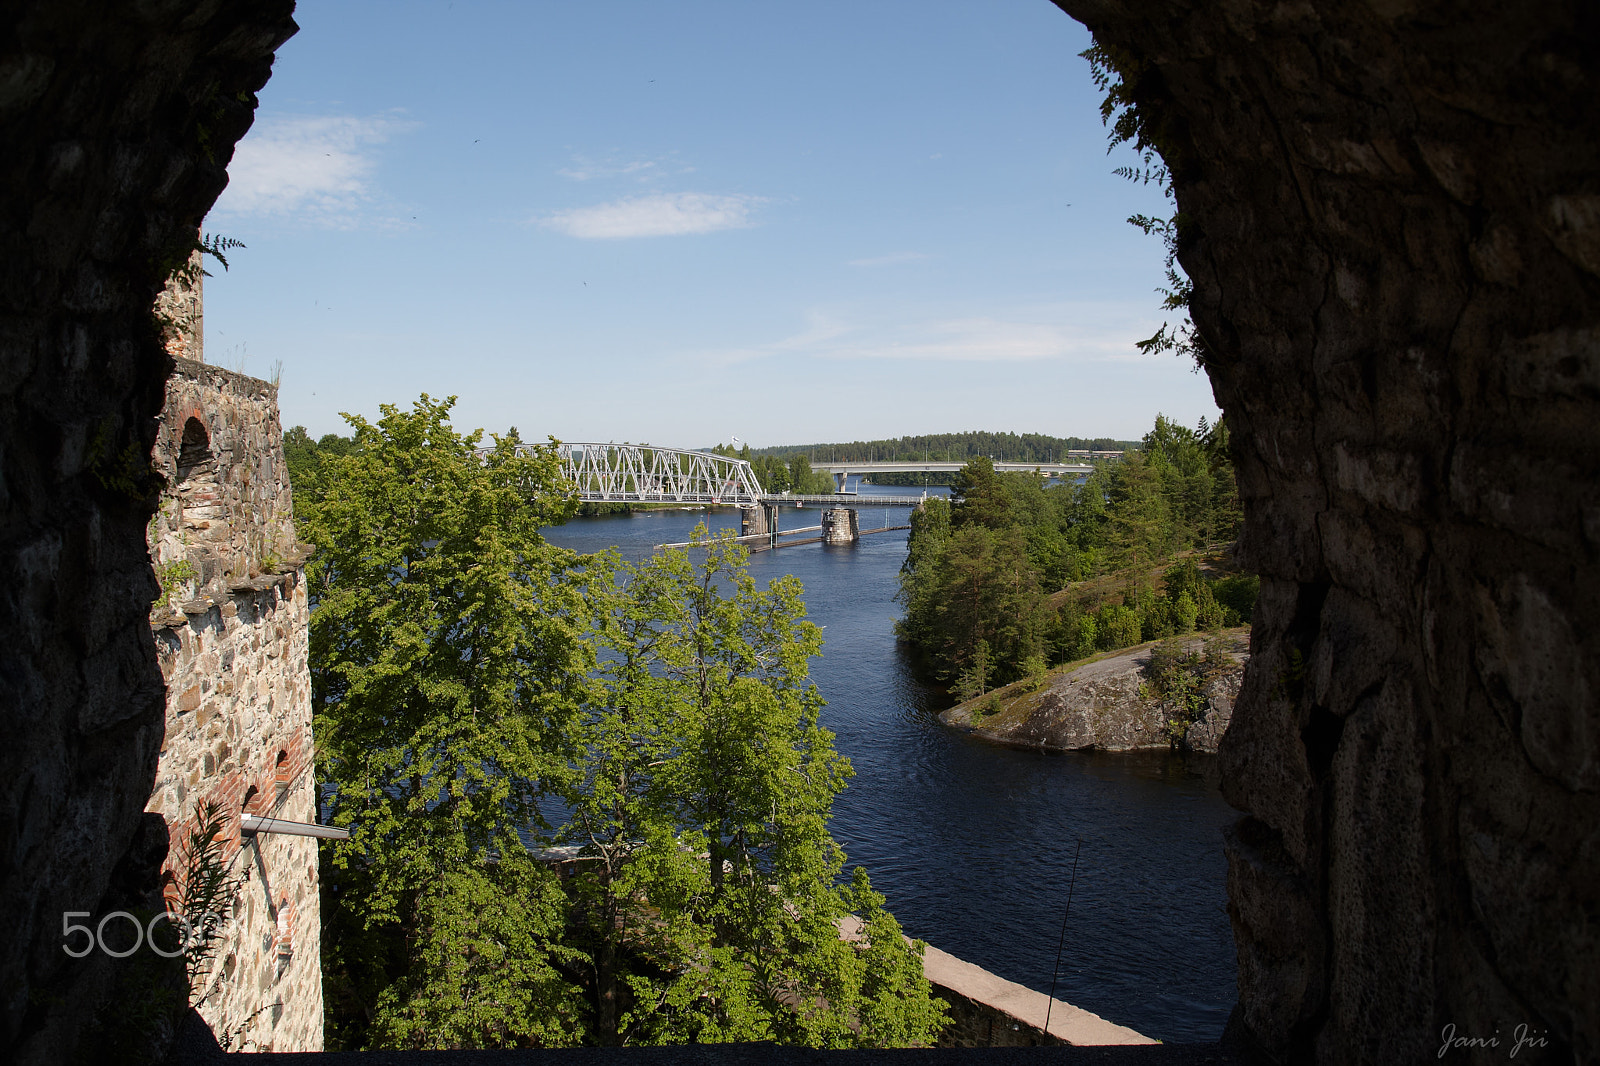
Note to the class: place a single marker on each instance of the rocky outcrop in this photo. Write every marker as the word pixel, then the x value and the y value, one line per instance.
pixel 117 121
pixel 1104 705
pixel 1390 211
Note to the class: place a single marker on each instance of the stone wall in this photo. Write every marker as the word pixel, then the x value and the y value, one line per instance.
pixel 225 517
pixel 1391 215
pixel 180 309
pixel 841 525
pixel 231 636
pixel 118 121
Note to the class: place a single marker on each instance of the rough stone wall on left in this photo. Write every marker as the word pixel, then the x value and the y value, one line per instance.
pixel 118 122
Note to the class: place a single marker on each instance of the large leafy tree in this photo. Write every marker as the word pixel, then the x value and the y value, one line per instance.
pixel 449 661
pixel 467 675
pixel 712 901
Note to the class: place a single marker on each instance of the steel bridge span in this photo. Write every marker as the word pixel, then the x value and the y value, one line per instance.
pixel 641 473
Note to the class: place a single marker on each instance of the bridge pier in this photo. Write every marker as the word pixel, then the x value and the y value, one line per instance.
pixel 839 479
pixel 840 526
pixel 759 519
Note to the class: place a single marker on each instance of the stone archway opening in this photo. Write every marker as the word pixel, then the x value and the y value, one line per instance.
pixel 1391 233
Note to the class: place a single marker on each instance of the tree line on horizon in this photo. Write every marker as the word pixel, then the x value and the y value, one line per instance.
pixel 949 447
pixel 1010 576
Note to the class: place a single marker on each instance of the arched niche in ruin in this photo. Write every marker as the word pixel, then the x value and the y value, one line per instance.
pixel 202 514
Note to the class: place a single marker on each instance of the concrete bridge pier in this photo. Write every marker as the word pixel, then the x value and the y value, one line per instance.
pixel 759 519
pixel 839 478
pixel 840 526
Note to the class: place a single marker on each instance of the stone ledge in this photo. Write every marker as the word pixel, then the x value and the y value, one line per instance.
pixel 167 617
pixel 261 583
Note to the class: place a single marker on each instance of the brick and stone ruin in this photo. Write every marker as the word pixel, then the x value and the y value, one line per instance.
pixel 230 634
pixel 1391 217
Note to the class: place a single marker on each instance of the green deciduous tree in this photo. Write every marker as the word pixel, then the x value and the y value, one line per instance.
pixel 467 675
pixel 448 660
pixel 713 907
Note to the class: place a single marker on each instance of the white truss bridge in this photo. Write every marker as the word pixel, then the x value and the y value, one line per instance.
pixel 639 473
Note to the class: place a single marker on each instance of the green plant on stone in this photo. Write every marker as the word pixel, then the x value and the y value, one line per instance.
pixel 126 471
pixel 1176 676
pixel 1034 670
pixel 147 1000
pixel 172 577
pixel 974 680
pixel 983 708
pixel 206 887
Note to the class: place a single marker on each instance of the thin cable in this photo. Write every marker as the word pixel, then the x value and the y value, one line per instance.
pixel 1062 940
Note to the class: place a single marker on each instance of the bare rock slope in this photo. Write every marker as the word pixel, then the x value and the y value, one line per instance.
pixel 1099 705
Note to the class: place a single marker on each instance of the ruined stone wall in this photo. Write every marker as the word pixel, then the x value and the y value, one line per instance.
pixel 1391 215
pixel 117 122
pixel 180 309
pixel 231 636
pixel 225 517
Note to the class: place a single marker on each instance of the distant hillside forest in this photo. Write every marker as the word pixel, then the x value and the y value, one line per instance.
pixel 952 447
pixel 1010 576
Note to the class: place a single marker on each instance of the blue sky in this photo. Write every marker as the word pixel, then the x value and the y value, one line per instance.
pixel 682 222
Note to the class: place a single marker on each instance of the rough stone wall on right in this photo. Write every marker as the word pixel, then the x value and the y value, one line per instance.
pixel 1390 211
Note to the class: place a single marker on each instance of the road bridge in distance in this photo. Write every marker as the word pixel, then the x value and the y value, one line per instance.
pixel 842 470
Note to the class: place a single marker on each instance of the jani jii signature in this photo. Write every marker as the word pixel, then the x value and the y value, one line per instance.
pixel 1524 1038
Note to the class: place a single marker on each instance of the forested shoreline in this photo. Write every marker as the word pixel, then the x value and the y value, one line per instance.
pixel 946 447
pixel 1011 576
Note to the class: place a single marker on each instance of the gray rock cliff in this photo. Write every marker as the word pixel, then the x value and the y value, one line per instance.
pixel 1102 706
pixel 117 121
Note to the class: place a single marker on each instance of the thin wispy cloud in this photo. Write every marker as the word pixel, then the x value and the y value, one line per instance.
pixel 655 215
pixel 1061 333
pixel 318 168
pixel 584 168
pixel 892 259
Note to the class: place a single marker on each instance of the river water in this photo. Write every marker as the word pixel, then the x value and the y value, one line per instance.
pixel 974 844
